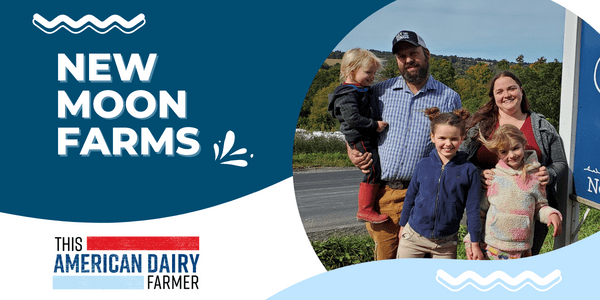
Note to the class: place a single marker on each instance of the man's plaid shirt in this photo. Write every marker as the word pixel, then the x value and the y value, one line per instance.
pixel 407 139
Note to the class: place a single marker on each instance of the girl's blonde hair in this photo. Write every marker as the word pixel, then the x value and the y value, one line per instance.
pixel 354 59
pixel 505 137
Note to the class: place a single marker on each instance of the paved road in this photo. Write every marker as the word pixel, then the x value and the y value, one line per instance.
pixel 327 198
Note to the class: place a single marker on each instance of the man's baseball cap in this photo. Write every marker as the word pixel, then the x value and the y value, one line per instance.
pixel 407 36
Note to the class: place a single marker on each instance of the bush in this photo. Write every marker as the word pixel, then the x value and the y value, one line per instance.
pixel 319 118
pixel 319 160
pixel 318 144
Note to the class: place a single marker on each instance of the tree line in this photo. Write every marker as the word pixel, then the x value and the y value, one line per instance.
pixel 541 81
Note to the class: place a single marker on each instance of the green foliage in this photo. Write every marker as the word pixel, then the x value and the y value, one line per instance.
pixel 503 65
pixel 443 71
pixel 325 67
pixel 462 64
pixel 319 151
pixel 591 224
pixel 337 54
pixel 467 76
pixel 480 73
pixel 541 60
pixel 460 247
pixel 323 79
pixel 319 118
pixel 473 88
pixel 589 227
pixel 317 160
pixel 319 144
pixel 473 94
pixel 542 85
pixel 341 251
pixel 390 70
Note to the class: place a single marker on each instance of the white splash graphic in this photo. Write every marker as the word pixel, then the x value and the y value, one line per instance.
pixel 227 145
pixel 498 278
pixel 88 21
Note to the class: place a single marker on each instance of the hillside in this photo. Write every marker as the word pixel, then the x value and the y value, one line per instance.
pixel 460 64
pixel 469 77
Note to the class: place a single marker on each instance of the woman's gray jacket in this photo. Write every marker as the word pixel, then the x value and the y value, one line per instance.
pixel 551 146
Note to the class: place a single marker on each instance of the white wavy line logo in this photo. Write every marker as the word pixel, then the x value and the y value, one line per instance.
pixel 498 278
pixel 76 27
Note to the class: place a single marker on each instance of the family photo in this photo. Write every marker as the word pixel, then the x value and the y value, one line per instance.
pixel 451 157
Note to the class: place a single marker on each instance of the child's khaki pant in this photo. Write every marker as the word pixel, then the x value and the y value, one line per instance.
pixel 414 245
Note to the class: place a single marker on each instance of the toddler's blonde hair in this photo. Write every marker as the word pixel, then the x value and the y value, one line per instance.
pixel 355 58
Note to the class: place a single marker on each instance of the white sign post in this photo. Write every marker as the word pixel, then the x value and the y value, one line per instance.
pixel 567 126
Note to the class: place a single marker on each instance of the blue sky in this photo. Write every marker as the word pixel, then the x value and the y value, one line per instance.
pixel 490 29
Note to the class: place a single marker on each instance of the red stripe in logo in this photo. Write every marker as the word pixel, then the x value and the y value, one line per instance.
pixel 143 243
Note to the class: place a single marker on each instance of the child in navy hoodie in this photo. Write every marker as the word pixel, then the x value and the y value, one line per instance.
pixel 442 187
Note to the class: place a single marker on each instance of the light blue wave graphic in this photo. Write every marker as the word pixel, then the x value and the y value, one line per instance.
pixel 500 278
pixel 559 274
pixel 88 21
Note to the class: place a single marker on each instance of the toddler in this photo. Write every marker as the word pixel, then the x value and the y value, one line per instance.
pixel 353 104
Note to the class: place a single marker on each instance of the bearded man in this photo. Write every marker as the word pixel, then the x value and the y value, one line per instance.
pixel 406 140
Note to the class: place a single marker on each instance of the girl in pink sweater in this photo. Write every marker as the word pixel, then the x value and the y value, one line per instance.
pixel 514 198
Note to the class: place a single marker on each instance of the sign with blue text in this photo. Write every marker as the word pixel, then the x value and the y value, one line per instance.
pixel 586 167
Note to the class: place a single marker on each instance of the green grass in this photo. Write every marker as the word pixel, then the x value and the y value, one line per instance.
pixel 460 251
pixel 591 224
pixel 318 152
pixel 589 227
pixel 318 160
pixel 340 251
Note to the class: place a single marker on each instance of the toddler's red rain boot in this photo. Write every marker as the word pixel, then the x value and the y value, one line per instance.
pixel 366 202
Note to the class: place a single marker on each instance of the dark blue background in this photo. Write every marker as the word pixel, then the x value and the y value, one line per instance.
pixel 246 67
pixel 587 138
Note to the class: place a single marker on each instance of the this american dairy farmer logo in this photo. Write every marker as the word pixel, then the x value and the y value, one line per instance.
pixel 130 263
pixel 88 21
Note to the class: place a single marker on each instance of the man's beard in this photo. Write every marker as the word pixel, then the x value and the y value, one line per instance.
pixel 421 74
